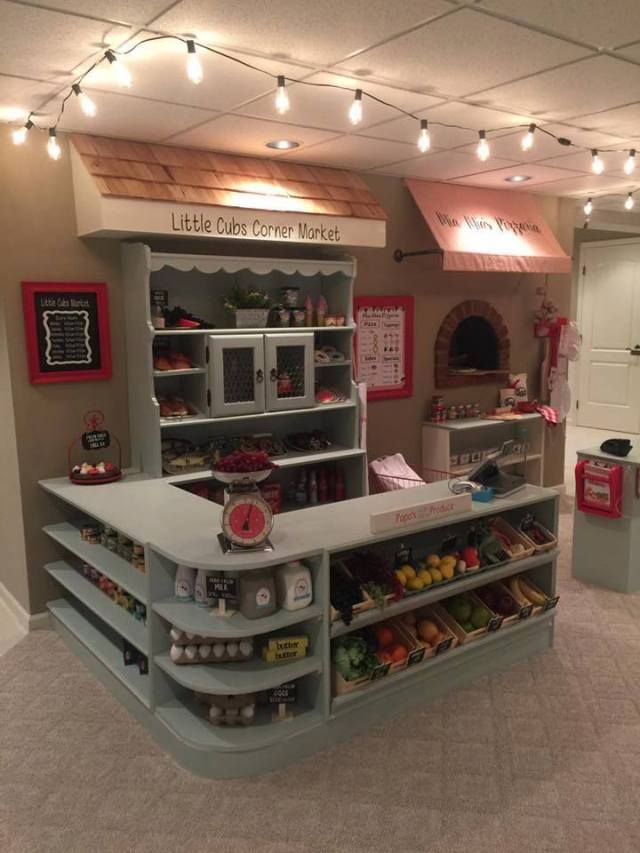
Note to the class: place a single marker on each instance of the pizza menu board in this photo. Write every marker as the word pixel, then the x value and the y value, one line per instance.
pixel 67 331
pixel 384 345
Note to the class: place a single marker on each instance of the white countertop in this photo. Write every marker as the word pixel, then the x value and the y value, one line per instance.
pixel 633 458
pixel 474 423
pixel 184 527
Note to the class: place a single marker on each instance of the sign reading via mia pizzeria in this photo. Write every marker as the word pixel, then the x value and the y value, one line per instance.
pixel 67 331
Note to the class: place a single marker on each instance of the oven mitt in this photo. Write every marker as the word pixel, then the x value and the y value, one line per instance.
pixel 616 446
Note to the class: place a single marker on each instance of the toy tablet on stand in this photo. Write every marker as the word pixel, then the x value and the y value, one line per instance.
pixel 95 457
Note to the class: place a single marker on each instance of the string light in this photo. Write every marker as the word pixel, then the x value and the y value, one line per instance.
pixel 355 111
pixel 483 150
pixel 527 139
pixel 629 202
pixel 630 162
pixel 282 98
pixel 123 75
pixel 597 166
pixel 588 207
pixel 19 135
pixel 194 66
pixel 54 150
pixel 86 104
pixel 424 140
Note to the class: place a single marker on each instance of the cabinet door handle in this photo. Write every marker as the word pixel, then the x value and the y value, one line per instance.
pixel 259 376
pixel 273 375
pixel 635 350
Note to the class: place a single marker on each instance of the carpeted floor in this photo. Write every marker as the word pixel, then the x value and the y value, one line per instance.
pixel 543 757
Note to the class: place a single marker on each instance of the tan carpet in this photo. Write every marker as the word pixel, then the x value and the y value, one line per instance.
pixel 544 757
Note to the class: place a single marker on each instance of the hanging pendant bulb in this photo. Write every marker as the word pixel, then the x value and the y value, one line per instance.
pixel 483 150
pixel 629 202
pixel 194 66
pixel 19 135
pixel 355 111
pixel 53 149
pixel 527 140
pixel 597 166
pixel 123 75
pixel 630 162
pixel 86 104
pixel 424 140
pixel 588 207
pixel 282 98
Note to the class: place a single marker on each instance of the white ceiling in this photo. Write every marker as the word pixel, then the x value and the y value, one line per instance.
pixel 570 65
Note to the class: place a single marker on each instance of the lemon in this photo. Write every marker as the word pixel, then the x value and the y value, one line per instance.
pixel 436 575
pixel 401 577
pixel 433 561
pixel 447 570
pixel 415 584
pixel 425 576
pixel 408 571
pixel 447 561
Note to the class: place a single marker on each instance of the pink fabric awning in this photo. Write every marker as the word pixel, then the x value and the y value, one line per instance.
pixel 484 230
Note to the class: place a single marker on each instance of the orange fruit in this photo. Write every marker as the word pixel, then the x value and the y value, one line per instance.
pixel 384 636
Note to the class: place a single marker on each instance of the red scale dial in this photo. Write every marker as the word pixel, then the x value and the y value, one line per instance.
pixel 247 520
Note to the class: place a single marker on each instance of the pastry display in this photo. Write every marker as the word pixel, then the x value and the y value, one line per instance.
pixel 174 406
pixel 171 360
pixel 305 442
pixel 101 472
pixel 329 395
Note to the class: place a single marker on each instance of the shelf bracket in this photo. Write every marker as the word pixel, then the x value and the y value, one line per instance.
pixel 399 255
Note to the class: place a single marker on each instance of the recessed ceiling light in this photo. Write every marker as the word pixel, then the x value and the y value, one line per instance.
pixel 283 144
pixel 518 179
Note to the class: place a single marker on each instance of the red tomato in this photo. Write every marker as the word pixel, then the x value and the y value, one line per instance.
pixel 470 556
pixel 384 636
pixel 399 652
pixel 385 657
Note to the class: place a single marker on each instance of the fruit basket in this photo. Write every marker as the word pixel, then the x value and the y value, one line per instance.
pixel 240 465
pixel 375 576
pixel 394 643
pixel 537 534
pixel 353 664
pixel 467 617
pixel 348 599
pixel 429 631
pixel 500 600
pixel 517 544
pixel 527 594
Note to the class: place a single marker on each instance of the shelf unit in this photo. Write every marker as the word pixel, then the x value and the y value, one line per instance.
pixel 198 283
pixel 443 444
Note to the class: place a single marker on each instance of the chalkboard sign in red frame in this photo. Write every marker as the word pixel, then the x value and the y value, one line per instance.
pixel 83 304
pixel 401 343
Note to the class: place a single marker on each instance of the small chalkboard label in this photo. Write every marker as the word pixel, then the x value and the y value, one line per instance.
pixel 96 439
pixel 444 645
pixel 551 603
pixel 380 671
pixel 416 656
pixel 495 623
pixel 221 586
pixel 525 611
pixel 403 556
pixel 285 694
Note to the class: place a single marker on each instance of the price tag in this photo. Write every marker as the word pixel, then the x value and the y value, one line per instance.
pixel 380 671
pixel 403 556
pixel 416 656
pixel 444 645
pixel 495 623
pixel 285 694
pixel 222 587
pixel 525 611
pixel 551 603
pixel 96 439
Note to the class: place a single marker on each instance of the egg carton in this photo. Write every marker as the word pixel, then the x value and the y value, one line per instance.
pixel 243 716
pixel 212 651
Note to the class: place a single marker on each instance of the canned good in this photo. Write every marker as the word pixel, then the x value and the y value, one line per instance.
pixel 462 412
pixel 452 413
pixel 476 455
pixel 465 458
pixel 468 410
pixel 454 460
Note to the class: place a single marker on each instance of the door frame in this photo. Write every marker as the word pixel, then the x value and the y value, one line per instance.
pixel 626 241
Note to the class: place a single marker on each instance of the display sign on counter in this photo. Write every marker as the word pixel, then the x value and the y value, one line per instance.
pixel 67 331
pixel 285 694
pixel 96 439
pixel 222 587
pixel 419 513
pixel 384 345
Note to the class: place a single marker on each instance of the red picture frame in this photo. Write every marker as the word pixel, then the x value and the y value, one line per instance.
pixel 378 306
pixel 58 346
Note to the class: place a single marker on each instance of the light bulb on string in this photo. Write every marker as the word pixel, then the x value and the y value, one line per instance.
pixel 588 207
pixel 123 75
pixel 53 149
pixel 482 150
pixel 282 98
pixel 629 203
pixel 527 140
pixel 194 66
pixel 597 166
pixel 424 140
pixel 630 162
pixel 86 104
pixel 19 135
pixel 355 110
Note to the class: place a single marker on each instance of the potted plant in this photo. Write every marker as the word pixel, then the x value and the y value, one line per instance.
pixel 250 306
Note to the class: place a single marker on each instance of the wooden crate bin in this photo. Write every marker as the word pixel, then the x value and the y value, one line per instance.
pixel 550 601
pixel 401 635
pixel 549 545
pixel 449 641
pixel 515 537
pixel 341 686
pixel 458 630
pixel 503 589
pixel 367 602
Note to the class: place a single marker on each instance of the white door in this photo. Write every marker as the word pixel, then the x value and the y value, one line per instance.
pixel 609 367
pixel 290 371
pixel 236 375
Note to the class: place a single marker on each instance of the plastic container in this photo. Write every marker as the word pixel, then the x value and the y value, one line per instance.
pixel 185 582
pixel 294 586
pixel 257 594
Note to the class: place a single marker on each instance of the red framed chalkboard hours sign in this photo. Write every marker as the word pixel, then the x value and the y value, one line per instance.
pixel 67 331
pixel 384 345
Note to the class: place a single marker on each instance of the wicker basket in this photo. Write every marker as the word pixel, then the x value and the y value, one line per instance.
pixel 251 318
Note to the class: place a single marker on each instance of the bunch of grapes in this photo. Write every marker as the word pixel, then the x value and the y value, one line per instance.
pixel 240 462
pixel 345 593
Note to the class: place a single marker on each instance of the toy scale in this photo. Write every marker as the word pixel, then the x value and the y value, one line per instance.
pixel 247 519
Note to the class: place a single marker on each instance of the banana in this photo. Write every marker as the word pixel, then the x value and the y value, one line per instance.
pixel 517 593
pixel 532 594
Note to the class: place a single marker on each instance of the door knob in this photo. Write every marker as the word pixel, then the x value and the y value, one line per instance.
pixel 259 376
pixel 635 350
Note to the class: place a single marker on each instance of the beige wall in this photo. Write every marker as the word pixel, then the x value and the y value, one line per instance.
pixel 39 229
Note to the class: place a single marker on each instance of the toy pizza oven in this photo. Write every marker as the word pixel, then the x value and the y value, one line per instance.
pixel 95 456
pixel 599 488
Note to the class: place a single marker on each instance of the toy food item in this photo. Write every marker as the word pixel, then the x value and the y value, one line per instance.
pixel 241 462
pixel 293 585
pixel 384 636
pixel 470 557
pixel 102 471
pixel 428 631
pixel 398 652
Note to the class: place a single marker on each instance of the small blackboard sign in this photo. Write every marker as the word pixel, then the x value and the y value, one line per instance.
pixel 525 611
pixel 285 694
pixel 444 645
pixel 67 331
pixel 416 656
pixel 494 623
pixel 222 587
pixel 551 603
pixel 380 671
pixel 96 439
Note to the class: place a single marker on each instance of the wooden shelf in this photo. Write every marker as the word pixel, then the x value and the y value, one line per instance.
pixel 167 423
pixel 110 564
pixel 323 364
pixel 259 331
pixel 187 371
pixel 477 423
pixel 514 459
pixel 200 620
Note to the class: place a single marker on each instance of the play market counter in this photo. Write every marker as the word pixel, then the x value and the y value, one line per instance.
pixel 179 528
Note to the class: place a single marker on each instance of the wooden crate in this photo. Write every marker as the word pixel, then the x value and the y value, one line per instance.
pixel 402 635
pixel 546 546
pixel 502 589
pixel 550 601
pixel 457 629
pixel 450 640
pixel 514 536
pixel 367 602
pixel 341 686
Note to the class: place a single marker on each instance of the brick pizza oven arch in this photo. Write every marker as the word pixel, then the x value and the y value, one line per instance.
pixel 444 377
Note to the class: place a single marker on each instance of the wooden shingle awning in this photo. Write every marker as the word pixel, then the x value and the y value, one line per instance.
pixel 146 172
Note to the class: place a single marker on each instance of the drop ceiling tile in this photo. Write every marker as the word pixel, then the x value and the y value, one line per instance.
pixel 443 166
pixel 46 44
pixel 545 146
pixel 354 152
pixel 537 175
pixel 132 118
pixel 247 136
pixel 123 11
pixel 600 24
pixel 158 69
pixel 632 51
pixel 328 108
pixel 18 97
pixel 624 121
pixel 588 185
pixel 315 33
pixel 597 83
pixel 580 161
pixel 464 53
